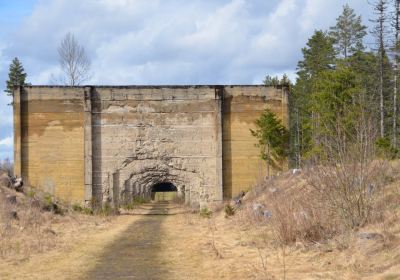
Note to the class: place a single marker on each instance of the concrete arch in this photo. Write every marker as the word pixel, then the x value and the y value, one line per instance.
pixel 138 180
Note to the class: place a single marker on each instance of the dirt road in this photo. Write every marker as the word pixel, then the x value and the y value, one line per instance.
pixel 131 247
pixel 179 246
pixel 149 248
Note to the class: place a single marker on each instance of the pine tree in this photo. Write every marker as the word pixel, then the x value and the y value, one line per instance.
pixel 285 81
pixel 16 76
pixel 271 81
pixel 273 139
pixel 348 33
pixel 318 57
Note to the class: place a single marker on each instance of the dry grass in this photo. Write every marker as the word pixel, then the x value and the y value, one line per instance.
pixel 302 222
pixel 308 208
pixel 26 229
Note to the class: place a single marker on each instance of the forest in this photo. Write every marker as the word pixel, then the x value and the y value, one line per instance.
pixel 345 98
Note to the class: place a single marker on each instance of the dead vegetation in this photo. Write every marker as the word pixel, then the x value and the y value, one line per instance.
pixel 336 210
pixel 31 225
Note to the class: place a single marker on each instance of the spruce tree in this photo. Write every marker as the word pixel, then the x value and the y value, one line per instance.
pixel 16 76
pixel 348 33
pixel 273 139
pixel 318 56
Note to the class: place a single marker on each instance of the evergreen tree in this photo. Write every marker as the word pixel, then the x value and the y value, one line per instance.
pixel 285 81
pixel 348 33
pixel 16 76
pixel 271 81
pixel 273 139
pixel 318 55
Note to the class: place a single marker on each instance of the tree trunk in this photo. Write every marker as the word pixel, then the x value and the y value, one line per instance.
pixel 382 58
pixel 297 135
pixel 268 159
pixel 396 58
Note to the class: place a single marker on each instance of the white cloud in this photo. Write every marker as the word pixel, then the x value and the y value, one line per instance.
pixel 7 142
pixel 166 41
pixel 172 41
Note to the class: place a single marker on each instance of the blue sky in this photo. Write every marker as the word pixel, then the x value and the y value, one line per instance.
pixel 161 41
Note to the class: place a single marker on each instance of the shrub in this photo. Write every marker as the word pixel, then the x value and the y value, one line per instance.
pixel 205 212
pixel 229 210
pixel 385 148
pixel 84 210
pixel 299 217
pixel 349 191
pixel 106 210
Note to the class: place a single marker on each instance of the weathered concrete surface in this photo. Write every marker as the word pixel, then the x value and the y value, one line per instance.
pixel 243 166
pixel 107 143
pixel 51 142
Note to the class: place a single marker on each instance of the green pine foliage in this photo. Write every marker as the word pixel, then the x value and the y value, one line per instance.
pixel 273 139
pixel 16 76
pixel 338 90
pixel 348 33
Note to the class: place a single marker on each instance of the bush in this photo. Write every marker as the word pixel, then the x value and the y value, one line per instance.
pixel 385 148
pixel 84 210
pixel 106 210
pixel 205 212
pixel 300 217
pixel 229 210
pixel 349 191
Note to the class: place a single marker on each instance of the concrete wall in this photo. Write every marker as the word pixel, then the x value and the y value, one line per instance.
pixel 109 143
pixel 49 151
pixel 243 105
pixel 150 135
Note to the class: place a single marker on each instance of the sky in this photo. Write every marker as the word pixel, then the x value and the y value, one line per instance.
pixel 157 42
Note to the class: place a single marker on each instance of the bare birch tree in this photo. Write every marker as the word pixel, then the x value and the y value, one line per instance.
pixel 396 27
pixel 73 60
pixel 380 9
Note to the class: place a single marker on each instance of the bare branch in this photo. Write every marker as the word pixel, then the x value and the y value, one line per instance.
pixel 73 60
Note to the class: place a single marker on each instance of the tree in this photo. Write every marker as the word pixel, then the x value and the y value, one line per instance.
pixel 318 55
pixel 273 139
pixel 285 81
pixel 348 33
pixel 275 81
pixel 16 76
pixel 271 81
pixel 396 27
pixel 73 60
pixel 380 9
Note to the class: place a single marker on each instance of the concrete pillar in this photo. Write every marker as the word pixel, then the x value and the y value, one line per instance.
pixel 219 97
pixel 17 132
pixel 87 127
pixel 116 189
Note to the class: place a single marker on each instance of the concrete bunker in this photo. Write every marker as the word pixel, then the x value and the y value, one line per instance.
pixel 116 142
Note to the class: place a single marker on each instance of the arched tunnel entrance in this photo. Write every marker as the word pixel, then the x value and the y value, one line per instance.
pixel 165 191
